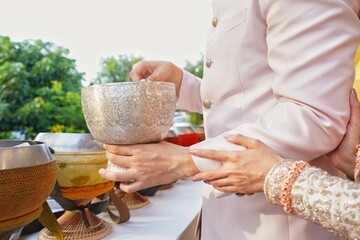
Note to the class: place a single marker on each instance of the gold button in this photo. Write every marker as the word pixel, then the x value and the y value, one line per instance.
pixel 214 21
pixel 208 62
pixel 206 103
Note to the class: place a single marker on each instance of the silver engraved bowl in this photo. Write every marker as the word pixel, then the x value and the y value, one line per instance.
pixel 129 112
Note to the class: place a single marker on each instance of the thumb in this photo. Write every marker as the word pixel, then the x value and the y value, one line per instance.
pixel 354 105
pixel 135 76
pixel 140 70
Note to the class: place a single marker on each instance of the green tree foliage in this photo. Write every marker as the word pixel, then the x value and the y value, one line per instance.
pixel 116 69
pixel 39 88
pixel 197 69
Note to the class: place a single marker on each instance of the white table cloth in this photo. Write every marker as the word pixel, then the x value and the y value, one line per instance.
pixel 169 215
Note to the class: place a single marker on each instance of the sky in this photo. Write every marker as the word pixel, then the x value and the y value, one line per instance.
pixel 171 30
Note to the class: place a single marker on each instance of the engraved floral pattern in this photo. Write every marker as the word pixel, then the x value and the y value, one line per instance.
pixel 330 201
pixel 129 113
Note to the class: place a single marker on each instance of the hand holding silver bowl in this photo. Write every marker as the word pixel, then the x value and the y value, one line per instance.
pixel 129 112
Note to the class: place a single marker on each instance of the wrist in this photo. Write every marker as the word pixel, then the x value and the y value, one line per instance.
pixel 190 168
pixel 270 164
pixel 286 197
pixel 184 166
pixel 279 181
pixel 177 74
pixel 274 180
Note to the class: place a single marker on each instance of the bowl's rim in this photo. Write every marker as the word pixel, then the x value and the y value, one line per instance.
pixel 129 83
pixel 41 134
pixel 70 142
pixel 80 153
pixel 14 156
pixel 15 142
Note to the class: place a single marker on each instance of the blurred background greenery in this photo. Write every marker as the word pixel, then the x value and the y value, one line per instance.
pixel 40 87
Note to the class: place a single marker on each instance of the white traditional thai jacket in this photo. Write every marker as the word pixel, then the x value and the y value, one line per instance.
pixel 279 71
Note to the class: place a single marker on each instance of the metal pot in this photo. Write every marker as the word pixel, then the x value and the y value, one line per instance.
pixel 70 142
pixel 26 154
pixel 78 157
pixel 27 177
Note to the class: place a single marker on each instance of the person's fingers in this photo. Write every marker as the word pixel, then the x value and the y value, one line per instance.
pixel 209 175
pixel 130 187
pixel 354 106
pixel 148 70
pixel 141 70
pixel 119 149
pixel 154 73
pixel 135 73
pixel 244 141
pixel 228 189
pixel 239 191
pixel 221 182
pixel 121 161
pixel 125 176
pixel 352 135
pixel 210 154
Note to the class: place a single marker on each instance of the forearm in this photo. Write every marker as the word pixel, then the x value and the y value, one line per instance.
pixel 308 119
pixel 316 196
pixel 189 96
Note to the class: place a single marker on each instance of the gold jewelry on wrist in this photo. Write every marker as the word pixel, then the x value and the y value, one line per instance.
pixel 274 179
pixel 294 170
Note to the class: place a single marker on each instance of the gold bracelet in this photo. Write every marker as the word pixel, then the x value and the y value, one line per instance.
pixel 274 180
pixel 294 170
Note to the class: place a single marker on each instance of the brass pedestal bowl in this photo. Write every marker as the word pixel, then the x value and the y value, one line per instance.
pixel 78 158
pixel 27 177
